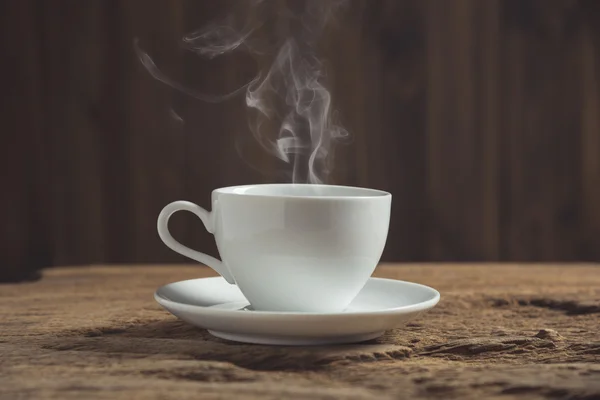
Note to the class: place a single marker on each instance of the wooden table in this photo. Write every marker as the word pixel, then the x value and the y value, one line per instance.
pixel 500 331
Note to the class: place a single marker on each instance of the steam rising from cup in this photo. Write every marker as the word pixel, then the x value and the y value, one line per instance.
pixel 290 110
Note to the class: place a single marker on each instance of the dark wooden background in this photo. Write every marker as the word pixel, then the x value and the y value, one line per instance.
pixel 482 117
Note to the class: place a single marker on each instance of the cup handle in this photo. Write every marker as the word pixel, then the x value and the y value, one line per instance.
pixel 163 231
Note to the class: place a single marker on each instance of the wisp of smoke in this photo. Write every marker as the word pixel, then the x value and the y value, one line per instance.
pixel 290 94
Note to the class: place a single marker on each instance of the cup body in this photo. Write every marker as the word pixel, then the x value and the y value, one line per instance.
pixel 296 247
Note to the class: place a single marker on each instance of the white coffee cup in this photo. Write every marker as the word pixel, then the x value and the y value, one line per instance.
pixel 292 247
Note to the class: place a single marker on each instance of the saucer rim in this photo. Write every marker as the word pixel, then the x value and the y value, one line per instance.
pixel 410 308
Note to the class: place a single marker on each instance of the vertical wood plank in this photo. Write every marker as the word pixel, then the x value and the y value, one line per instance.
pixel 401 141
pixel 590 130
pixel 24 228
pixel 462 186
pixel 542 102
pixel 156 161
pixel 487 44
pixel 76 192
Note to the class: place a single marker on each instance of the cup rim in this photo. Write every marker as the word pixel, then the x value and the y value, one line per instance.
pixel 362 192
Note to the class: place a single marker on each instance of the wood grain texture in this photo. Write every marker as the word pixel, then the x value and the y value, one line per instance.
pixel 482 118
pixel 462 131
pixel 499 332
pixel 543 191
pixel 24 224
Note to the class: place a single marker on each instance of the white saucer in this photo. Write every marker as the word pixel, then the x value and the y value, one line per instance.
pixel 214 304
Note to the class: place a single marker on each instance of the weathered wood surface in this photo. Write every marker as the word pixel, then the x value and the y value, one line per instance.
pixel 500 331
